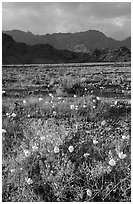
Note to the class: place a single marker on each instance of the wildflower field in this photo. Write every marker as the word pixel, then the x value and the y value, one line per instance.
pixel 66 133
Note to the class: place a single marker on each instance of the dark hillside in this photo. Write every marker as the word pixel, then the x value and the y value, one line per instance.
pixel 78 42
pixel 21 53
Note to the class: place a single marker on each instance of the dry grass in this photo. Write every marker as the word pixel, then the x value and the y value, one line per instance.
pixel 34 171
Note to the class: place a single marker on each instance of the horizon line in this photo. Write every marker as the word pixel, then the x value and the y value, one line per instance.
pixel 63 33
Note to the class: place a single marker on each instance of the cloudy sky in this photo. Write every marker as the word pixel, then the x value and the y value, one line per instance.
pixel 112 18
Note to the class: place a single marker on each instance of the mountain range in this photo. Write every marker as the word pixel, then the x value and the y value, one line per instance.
pixel 20 53
pixel 78 42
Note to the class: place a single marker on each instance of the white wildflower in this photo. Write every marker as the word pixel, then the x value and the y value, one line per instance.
pixel 75 96
pixel 54 113
pixel 86 155
pixel 76 107
pixel 94 107
pixel 13 115
pixel 12 170
pixel 95 141
pixel 27 153
pixel 98 98
pixel 76 126
pixel 24 101
pixel 7 114
pixel 108 169
pixel 28 115
pixel 72 106
pixel 89 192
pixel 84 106
pixel 29 181
pixel 116 102
pixel 42 138
pixel 94 100
pixel 125 137
pixel 71 149
pixel 3 92
pixel 103 123
pixel 56 150
pixel 4 131
pixel 112 162
pixel 121 155
pixel 40 99
pixel 34 148
pixel 51 95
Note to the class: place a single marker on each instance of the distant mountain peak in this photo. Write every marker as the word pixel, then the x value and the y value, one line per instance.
pixel 96 31
pixel 28 32
pixel 80 41
pixel 20 53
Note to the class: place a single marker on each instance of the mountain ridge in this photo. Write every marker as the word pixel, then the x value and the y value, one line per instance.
pixel 84 41
pixel 21 53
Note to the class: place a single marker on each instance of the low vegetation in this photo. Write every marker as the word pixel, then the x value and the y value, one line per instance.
pixel 66 145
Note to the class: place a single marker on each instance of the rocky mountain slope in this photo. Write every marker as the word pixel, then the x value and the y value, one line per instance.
pixel 21 53
pixel 77 42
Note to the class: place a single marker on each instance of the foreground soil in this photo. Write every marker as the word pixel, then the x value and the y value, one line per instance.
pixel 66 133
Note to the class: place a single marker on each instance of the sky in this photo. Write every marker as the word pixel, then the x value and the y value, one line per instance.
pixel 111 18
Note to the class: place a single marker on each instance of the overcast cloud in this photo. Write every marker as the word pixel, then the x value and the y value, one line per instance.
pixel 114 19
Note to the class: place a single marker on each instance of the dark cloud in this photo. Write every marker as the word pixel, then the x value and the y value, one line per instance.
pixel 112 18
